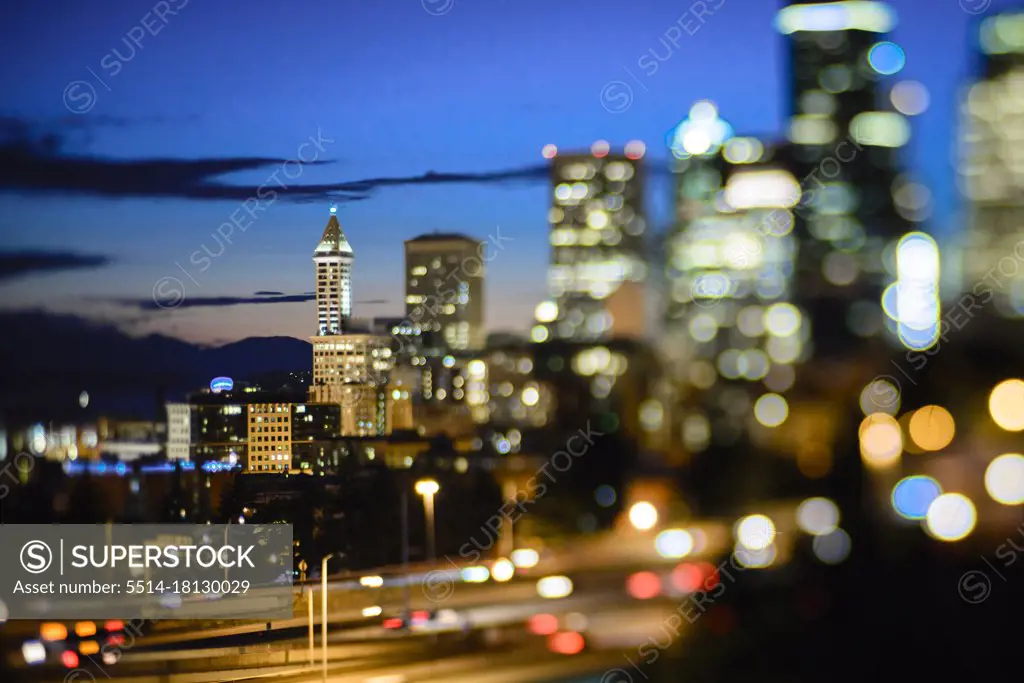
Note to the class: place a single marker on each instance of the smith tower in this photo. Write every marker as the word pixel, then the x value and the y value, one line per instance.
pixel 350 368
pixel 333 258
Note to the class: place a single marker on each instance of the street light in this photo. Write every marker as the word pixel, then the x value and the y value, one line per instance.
pixel 323 607
pixel 312 628
pixel 428 488
pixel 643 516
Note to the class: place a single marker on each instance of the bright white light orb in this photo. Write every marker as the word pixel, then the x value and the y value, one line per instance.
pixel 525 558
pixel 951 517
pixel 546 312
pixel 554 587
pixel 643 516
pixel 475 574
pixel 1004 479
pixel 674 543
pixel 755 532
pixel 771 410
pixel 502 570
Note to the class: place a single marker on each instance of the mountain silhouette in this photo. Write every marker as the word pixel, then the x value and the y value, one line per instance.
pixel 50 359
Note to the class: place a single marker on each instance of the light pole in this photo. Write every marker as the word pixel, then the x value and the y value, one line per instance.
pixel 323 607
pixel 406 599
pixel 312 627
pixel 428 488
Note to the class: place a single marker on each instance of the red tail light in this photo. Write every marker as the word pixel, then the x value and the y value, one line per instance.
pixel 643 585
pixel 566 643
pixel 543 624
pixel 393 622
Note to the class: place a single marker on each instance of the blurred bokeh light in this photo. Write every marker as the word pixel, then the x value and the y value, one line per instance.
pixel 881 440
pixel 643 516
pixel 1006 405
pixel 832 548
pixel 674 543
pixel 817 516
pixel 932 428
pixel 1004 479
pixel 951 517
pixel 912 496
pixel 755 532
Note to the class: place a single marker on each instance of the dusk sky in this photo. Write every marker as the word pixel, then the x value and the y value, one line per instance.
pixel 393 89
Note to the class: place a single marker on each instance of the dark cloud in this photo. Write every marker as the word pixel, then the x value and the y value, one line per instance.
pixel 33 160
pixel 17 264
pixel 260 297
pixel 215 301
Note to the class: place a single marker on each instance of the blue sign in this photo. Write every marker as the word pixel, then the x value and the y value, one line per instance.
pixel 218 384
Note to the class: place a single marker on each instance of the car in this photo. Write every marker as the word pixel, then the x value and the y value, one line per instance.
pixel 429 620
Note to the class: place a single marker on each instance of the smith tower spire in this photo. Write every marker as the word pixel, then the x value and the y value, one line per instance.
pixel 333 258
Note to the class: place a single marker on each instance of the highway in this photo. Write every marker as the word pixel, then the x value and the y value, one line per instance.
pixel 481 629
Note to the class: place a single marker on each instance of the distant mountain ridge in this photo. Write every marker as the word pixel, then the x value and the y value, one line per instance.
pixel 46 357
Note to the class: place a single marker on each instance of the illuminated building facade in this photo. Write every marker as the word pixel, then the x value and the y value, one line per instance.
pixel 845 141
pixel 344 359
pixel 732 333
pixel 179 430
pixel 270 438
pixel 501 390
pixel 598 231
pixel 313 429
pixel 220 429
pixel 402 387
pixel 333 259
pixel 991 174
pixel 265 432
pixel 364 410
pixel 349 369
pixel 444 291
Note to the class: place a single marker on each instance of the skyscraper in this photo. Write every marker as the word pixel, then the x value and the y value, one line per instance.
pixel 333 258
pixel 444 291
pixel 349 369
pixel 845 141
pixel 991 173
pixel 732 333
pixel 598 231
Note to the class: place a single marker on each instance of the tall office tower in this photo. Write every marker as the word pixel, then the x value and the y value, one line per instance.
pixel 732 333
pixel 598 263
pixel 444 291
pixel 349 369
pixel 845 141
pixel 333 258
pixel 991 173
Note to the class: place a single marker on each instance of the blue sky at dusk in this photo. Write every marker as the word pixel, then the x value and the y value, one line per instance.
pixel 397 91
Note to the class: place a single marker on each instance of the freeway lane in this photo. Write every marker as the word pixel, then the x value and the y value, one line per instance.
pixel 495 612
pixel 525 658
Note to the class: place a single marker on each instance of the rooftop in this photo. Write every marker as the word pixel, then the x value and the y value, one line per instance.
pixel 333 241
pixel 442 237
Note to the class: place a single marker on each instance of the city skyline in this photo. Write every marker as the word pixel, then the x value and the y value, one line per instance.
pixel 407 135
